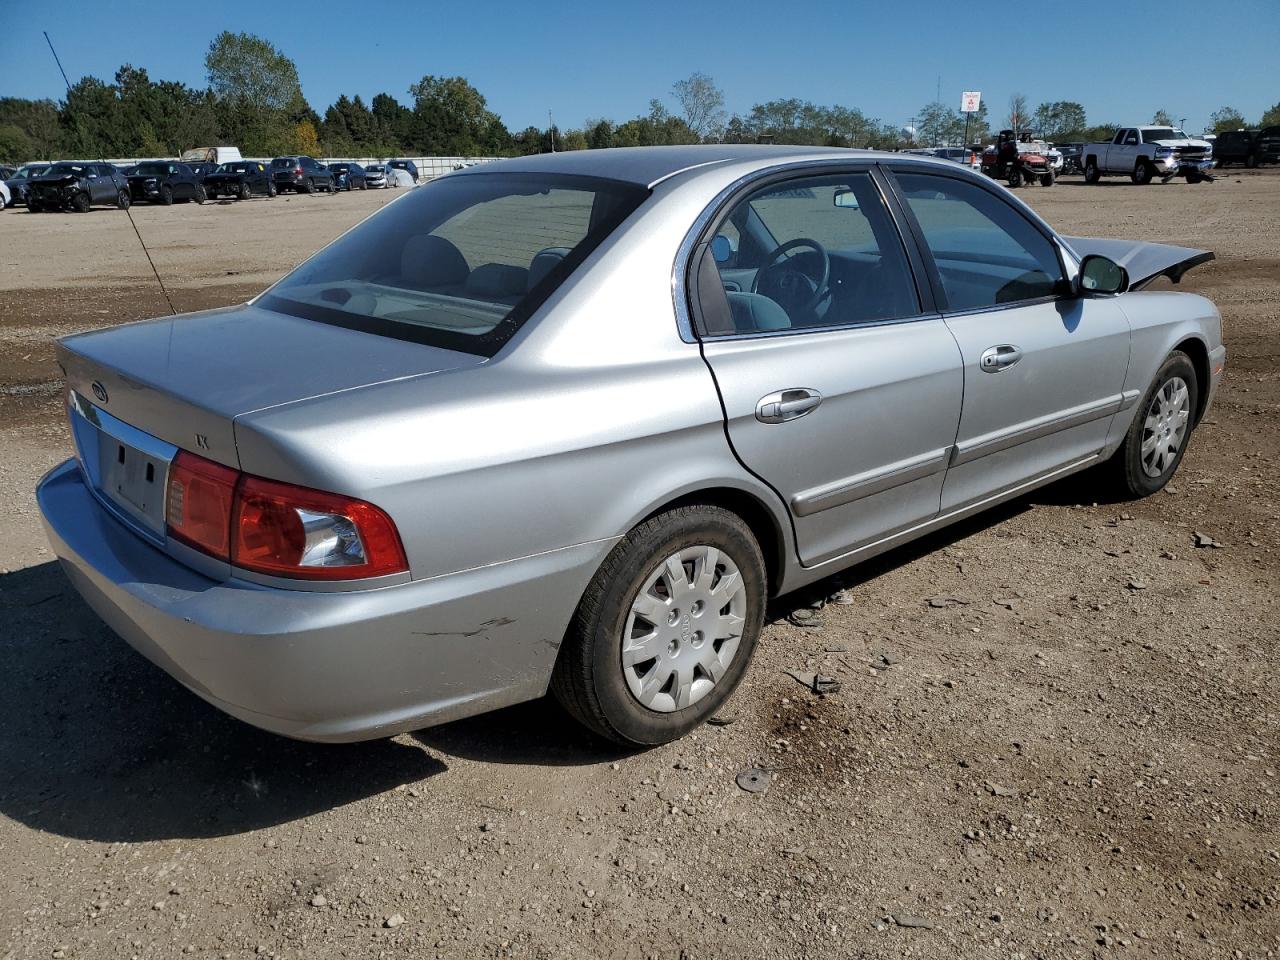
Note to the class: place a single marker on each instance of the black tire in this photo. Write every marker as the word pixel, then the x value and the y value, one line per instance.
pixel 123 200
pixel 364 184
pixel 1046 179
pixel 244 193
pixel 34 205
pixel 81 203
pixel 304 187
pixel 271 189
pixel 1128 474
pixel 166 195
pixel 1142 173
pixel 1251 161
pixel 589 679
pixel 1015 178
pixel 1091 172
pixel 200 196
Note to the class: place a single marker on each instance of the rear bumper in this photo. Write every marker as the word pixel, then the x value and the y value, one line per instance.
pixel 324 666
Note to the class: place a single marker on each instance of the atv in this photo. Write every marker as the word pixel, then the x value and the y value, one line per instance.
pixel 1016 161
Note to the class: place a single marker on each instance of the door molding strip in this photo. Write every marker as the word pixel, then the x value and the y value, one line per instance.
pixel 808 502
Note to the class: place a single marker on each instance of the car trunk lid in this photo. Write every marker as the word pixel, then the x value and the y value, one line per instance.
pixel 185 379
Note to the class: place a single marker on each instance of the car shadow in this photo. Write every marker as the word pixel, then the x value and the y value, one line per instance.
pixel 96 743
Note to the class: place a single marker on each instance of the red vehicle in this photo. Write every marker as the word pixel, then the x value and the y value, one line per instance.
pixel 1016 161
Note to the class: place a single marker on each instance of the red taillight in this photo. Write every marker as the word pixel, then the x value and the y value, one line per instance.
pixel 298 171
pixel 278 528
pixel 290 531
pixel 198 505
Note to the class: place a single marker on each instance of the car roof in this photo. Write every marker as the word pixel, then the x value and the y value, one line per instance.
pixel 647 166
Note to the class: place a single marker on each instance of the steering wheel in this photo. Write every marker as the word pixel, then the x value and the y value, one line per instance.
pixel 793 289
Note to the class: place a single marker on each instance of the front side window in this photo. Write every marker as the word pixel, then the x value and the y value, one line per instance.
pixel 987 253
pixel 461 262
pixel 812 252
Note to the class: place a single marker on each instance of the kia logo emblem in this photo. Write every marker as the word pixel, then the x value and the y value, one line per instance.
pixel 99 391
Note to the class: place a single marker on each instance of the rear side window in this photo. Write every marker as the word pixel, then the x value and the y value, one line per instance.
pixel 460 263
pixel 987 253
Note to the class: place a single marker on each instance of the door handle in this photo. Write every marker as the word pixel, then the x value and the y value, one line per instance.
pixel 995 359
pixel 791 404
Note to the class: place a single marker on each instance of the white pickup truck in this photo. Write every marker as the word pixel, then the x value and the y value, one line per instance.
pixel 1147 152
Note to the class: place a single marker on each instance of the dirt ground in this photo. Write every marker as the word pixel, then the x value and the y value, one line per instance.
pixel 1058 732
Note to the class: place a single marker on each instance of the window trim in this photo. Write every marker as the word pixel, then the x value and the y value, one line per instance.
pixel 685 274
pixel 996 191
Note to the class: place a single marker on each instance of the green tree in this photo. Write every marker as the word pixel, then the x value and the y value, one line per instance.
pixel 1272 117
pixel 701 105
pixel 452 118
pixel 1060 121
pixel 38 123
pixel 939 125
pixel 1227 118
pixel 246 68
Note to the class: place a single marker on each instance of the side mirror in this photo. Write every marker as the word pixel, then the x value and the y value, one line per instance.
pixel 1100 274
pixel 845 199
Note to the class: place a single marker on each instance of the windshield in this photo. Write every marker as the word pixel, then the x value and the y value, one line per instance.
pixel 67 170
pixel 459 263
pixel 153 169
pixel 1152 134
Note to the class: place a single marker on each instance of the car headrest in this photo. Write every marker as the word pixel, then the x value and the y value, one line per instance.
pixel 431 261
pixel 754 312
pixel 497 281
pixel 544 261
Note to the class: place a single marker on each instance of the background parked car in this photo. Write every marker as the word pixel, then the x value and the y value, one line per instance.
pixel 7 172
pixel 4 195
pixel 240 179
pixel 1071 153
pixel 408 166
pixel 78 186
pixel 18 180
pixel 1267 145
pixel 165 181
pixel 301 174
pixel 375 175
pixel 348 176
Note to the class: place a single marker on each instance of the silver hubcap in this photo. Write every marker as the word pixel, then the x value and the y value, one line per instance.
pixel 1165 426
pixel 684 628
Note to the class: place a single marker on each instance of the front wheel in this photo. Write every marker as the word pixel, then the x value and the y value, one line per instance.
pixel 1158 437
pixel 1142 173
pixel 123 200
pixel 271 189
pixel 666 628
pixel 80 203
pixel 200 196
pixel 1046 179
pixel 166 195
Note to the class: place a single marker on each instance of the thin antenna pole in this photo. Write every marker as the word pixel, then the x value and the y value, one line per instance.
pixel 128 212
pixel 551 130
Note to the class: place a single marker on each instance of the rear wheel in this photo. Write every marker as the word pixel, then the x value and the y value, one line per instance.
pixel 1251 161
pixel 1015 178
pixel 166 195
pixel 666 629
pixel 1142 173
pixel 1091 172
pixel 80 203
pixel 1157 438
pixel 244 192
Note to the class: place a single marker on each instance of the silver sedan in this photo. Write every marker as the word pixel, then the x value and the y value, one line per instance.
pixel 566 422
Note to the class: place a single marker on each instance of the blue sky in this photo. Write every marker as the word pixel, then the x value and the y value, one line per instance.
pixel 608 59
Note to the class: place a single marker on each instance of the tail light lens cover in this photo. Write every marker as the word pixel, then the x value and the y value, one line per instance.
pixel 279 529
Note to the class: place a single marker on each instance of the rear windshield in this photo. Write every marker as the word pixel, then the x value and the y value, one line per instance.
pixel 461 262
pixel 284 162
pixel 154 169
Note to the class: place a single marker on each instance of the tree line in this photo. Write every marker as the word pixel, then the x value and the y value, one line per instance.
pixel 254 100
